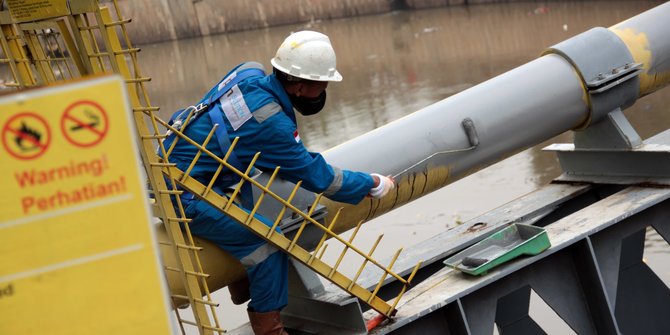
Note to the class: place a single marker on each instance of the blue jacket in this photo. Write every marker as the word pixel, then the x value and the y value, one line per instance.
pixel 259 112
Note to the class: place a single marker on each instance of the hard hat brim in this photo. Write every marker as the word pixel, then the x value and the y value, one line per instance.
pixel 335 76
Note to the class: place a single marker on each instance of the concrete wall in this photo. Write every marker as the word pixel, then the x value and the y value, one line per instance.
pixel 164 20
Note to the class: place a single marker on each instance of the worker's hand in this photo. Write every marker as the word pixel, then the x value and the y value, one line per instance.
pixel 383 185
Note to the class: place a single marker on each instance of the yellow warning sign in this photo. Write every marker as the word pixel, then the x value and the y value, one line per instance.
pixel 77 251
pixel 31 10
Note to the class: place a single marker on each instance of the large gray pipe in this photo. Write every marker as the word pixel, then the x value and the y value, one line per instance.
pixel 511 112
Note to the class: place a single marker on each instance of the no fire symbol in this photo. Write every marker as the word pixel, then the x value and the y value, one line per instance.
pixel 26 136
pixel 84 123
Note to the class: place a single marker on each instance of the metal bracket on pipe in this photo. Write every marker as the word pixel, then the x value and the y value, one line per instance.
pixel 607 68
pixel 604 81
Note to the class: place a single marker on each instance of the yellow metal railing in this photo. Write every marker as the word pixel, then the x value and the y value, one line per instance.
pixel 86 42
pixel 94 40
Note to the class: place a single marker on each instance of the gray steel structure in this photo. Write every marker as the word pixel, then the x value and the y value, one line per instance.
pixel 615 186
pixel 593 276
pixel 573 86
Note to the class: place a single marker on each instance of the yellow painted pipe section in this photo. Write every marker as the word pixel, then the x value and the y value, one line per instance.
pixel 638 45
pixel 221 267
pixel 646 36
pixel 409 188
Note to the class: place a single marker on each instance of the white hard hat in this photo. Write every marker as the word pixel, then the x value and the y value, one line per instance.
pixel 308 55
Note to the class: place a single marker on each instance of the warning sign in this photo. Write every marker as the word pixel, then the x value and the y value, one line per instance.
pixel 26 136
pixel 84 123
pixel 31 10
pixel 77 251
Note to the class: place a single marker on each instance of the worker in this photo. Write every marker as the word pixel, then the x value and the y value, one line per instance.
pixel 259 109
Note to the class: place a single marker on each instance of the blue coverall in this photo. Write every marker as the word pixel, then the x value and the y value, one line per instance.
pixel 271 129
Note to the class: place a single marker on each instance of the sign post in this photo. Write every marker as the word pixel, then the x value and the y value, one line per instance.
pixel 77 251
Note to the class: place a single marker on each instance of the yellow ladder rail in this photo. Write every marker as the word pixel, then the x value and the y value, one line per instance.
pixel 286 244
pixel 227 206
pixel 188 259
pixel 246 178
pixel 16 56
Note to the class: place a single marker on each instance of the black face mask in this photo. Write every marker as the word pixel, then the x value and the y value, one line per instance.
pixel 308 106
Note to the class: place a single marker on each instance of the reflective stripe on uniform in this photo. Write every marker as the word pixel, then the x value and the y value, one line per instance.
pixel 251 65
pixel 336 184
pixel 266 112
pixel 259 255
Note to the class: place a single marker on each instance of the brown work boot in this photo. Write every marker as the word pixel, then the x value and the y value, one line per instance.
pixel 239 291
pixel 266 323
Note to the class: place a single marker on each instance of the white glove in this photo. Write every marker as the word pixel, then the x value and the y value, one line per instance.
pixel 385 185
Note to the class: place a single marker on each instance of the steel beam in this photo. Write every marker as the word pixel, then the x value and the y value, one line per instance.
pixel 612 152
pixel 604 222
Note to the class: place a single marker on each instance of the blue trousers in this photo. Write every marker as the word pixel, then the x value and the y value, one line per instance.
pixel 267 267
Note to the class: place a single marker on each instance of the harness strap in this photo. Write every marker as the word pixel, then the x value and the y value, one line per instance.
pixel 230 81
pixel 221 133
pixel 224 142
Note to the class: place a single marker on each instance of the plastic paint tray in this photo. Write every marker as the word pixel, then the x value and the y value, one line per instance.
pixel 503 246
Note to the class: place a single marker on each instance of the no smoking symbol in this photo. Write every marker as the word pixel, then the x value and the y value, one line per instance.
pixel 26 136
pixel 84 123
